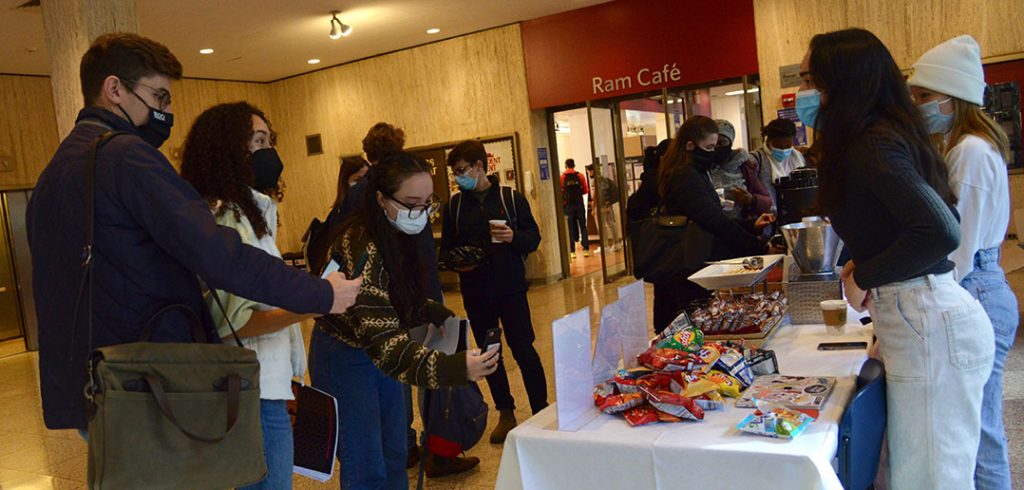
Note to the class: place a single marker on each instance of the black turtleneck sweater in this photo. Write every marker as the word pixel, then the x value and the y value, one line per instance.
pixel 690 193
pixel 895 226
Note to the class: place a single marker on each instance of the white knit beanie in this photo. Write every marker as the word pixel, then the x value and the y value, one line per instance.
pixel 952 68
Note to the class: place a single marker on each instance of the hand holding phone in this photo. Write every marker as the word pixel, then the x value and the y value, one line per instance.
pixel 492 339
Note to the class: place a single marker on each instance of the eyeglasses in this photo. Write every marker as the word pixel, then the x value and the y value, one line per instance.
pixel 461 171
pixel 415 211
pixel 163 97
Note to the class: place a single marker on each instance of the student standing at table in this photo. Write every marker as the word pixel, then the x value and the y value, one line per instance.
pixel 949 87
pixel 887 193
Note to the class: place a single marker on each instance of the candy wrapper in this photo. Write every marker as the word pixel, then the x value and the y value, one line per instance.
pixel 732 361
pixel 641 415
pixel 676 404
pixel 619 403
pixel 775 421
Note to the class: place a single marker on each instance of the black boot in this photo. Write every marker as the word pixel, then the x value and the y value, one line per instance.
pixel 506 423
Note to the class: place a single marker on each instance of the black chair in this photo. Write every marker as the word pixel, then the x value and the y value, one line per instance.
pixel 862 427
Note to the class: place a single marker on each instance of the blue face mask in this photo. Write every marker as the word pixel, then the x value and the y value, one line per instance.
pixel 465 181
pixel 934 119
pixel 807 103
pixel 781 155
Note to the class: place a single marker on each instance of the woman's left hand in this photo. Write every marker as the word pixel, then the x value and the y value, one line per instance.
pixel 741 196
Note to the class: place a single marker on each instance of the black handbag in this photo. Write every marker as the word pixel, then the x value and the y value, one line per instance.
pixel 667 246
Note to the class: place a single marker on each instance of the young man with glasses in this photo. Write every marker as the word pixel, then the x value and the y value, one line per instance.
pixel 154 233
pixel 496 219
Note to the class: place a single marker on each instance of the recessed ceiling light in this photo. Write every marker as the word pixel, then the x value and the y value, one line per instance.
pixel 433 30
pixel 313 61
pixel 206 51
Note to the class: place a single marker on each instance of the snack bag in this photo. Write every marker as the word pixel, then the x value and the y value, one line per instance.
pixel 727 385
pixel 666 359
pixel 641 415
pixel 711 400
pixel 603 391
pixel 625 379
pixel 700 387
pixel 676 404
pixel 732 361
pixel 775 421
pixel 709 355
pixel 654 382
pixel 667 417
pixel 687 339
pixel 619 403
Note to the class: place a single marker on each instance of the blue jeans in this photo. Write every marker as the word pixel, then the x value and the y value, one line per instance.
pixel 371 414
pixel 278 447
pixel 988 284
pixel 577 225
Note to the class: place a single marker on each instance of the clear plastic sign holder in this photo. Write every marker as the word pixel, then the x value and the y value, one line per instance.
pixel 633 327
pixel 574 388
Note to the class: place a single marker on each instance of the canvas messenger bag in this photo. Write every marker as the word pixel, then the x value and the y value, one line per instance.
pixel 169 415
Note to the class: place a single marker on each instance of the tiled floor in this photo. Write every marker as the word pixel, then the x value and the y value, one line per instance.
pixel 32 457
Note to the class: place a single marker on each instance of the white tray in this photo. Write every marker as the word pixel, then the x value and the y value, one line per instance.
pixel 724 276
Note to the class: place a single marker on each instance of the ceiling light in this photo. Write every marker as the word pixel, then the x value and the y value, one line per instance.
pixel 433 30
pixel 740 92
pixel 313 61
pixel 206 51
pixel 338 28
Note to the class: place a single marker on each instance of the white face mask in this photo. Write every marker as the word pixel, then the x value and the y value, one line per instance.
pixel 405 224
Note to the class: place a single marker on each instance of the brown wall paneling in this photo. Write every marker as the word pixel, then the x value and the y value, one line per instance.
pixel 908 28
pixel 192 96
pixel 28 128
pixel 460 88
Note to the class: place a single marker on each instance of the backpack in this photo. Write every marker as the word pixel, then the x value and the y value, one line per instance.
pixel 572 188
pixel 455 211
pixel 609 191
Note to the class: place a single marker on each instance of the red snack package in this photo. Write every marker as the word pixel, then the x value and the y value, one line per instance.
pixel 619 403
pixel 625 380
pixel 667 359
pixel 667 417
pixel 603 391
pixel 655 381
pixel 642 415
pixel 676 404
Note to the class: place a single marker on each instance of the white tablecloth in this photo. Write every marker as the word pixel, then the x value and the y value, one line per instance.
pixel 609 454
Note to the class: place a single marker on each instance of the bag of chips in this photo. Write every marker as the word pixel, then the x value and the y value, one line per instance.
pixel 603 391
pixel 711 400
pixel 732 361
pixel 641 415
pixel 667 359
pixel 620 403
pixel 676 404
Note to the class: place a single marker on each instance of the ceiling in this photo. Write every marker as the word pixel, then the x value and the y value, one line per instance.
pixel 265 40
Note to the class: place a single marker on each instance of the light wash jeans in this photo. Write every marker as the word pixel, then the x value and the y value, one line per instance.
pixel 988 284
pixel 278 447
pixel 937 345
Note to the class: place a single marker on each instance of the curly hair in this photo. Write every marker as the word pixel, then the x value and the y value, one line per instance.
pixel 216 160
pixel 382 139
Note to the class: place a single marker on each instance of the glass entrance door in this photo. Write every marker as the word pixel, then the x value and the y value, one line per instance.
pixel 606 178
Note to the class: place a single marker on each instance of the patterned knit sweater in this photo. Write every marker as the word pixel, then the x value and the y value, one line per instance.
pixel 373 324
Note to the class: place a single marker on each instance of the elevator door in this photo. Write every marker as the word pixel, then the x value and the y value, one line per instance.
pixel 11 324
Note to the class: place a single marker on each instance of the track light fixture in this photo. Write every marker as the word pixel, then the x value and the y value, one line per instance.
pixel 338 28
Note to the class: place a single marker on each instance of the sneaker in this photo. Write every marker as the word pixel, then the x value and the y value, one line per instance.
pixel 436 466
pixel 586 253
pixel 506 423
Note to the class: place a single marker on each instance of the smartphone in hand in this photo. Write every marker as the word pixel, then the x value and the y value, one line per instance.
pixel 492 339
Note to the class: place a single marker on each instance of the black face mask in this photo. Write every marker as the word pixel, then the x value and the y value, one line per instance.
pixel 158 129
pixel 703 157
pixel 266 168
pixel 722 154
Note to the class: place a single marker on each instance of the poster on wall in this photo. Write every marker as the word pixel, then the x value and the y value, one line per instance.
pixel 801 130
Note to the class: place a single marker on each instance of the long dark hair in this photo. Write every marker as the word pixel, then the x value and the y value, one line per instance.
pixel 398 251
pixel 863 88
pixel 349 166
pixel 216 160
pixel 693 129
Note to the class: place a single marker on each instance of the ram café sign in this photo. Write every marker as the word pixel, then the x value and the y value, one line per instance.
pixel 645 77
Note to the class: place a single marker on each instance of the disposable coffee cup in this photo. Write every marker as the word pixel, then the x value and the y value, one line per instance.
pixel 494 223
pixel 834 313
